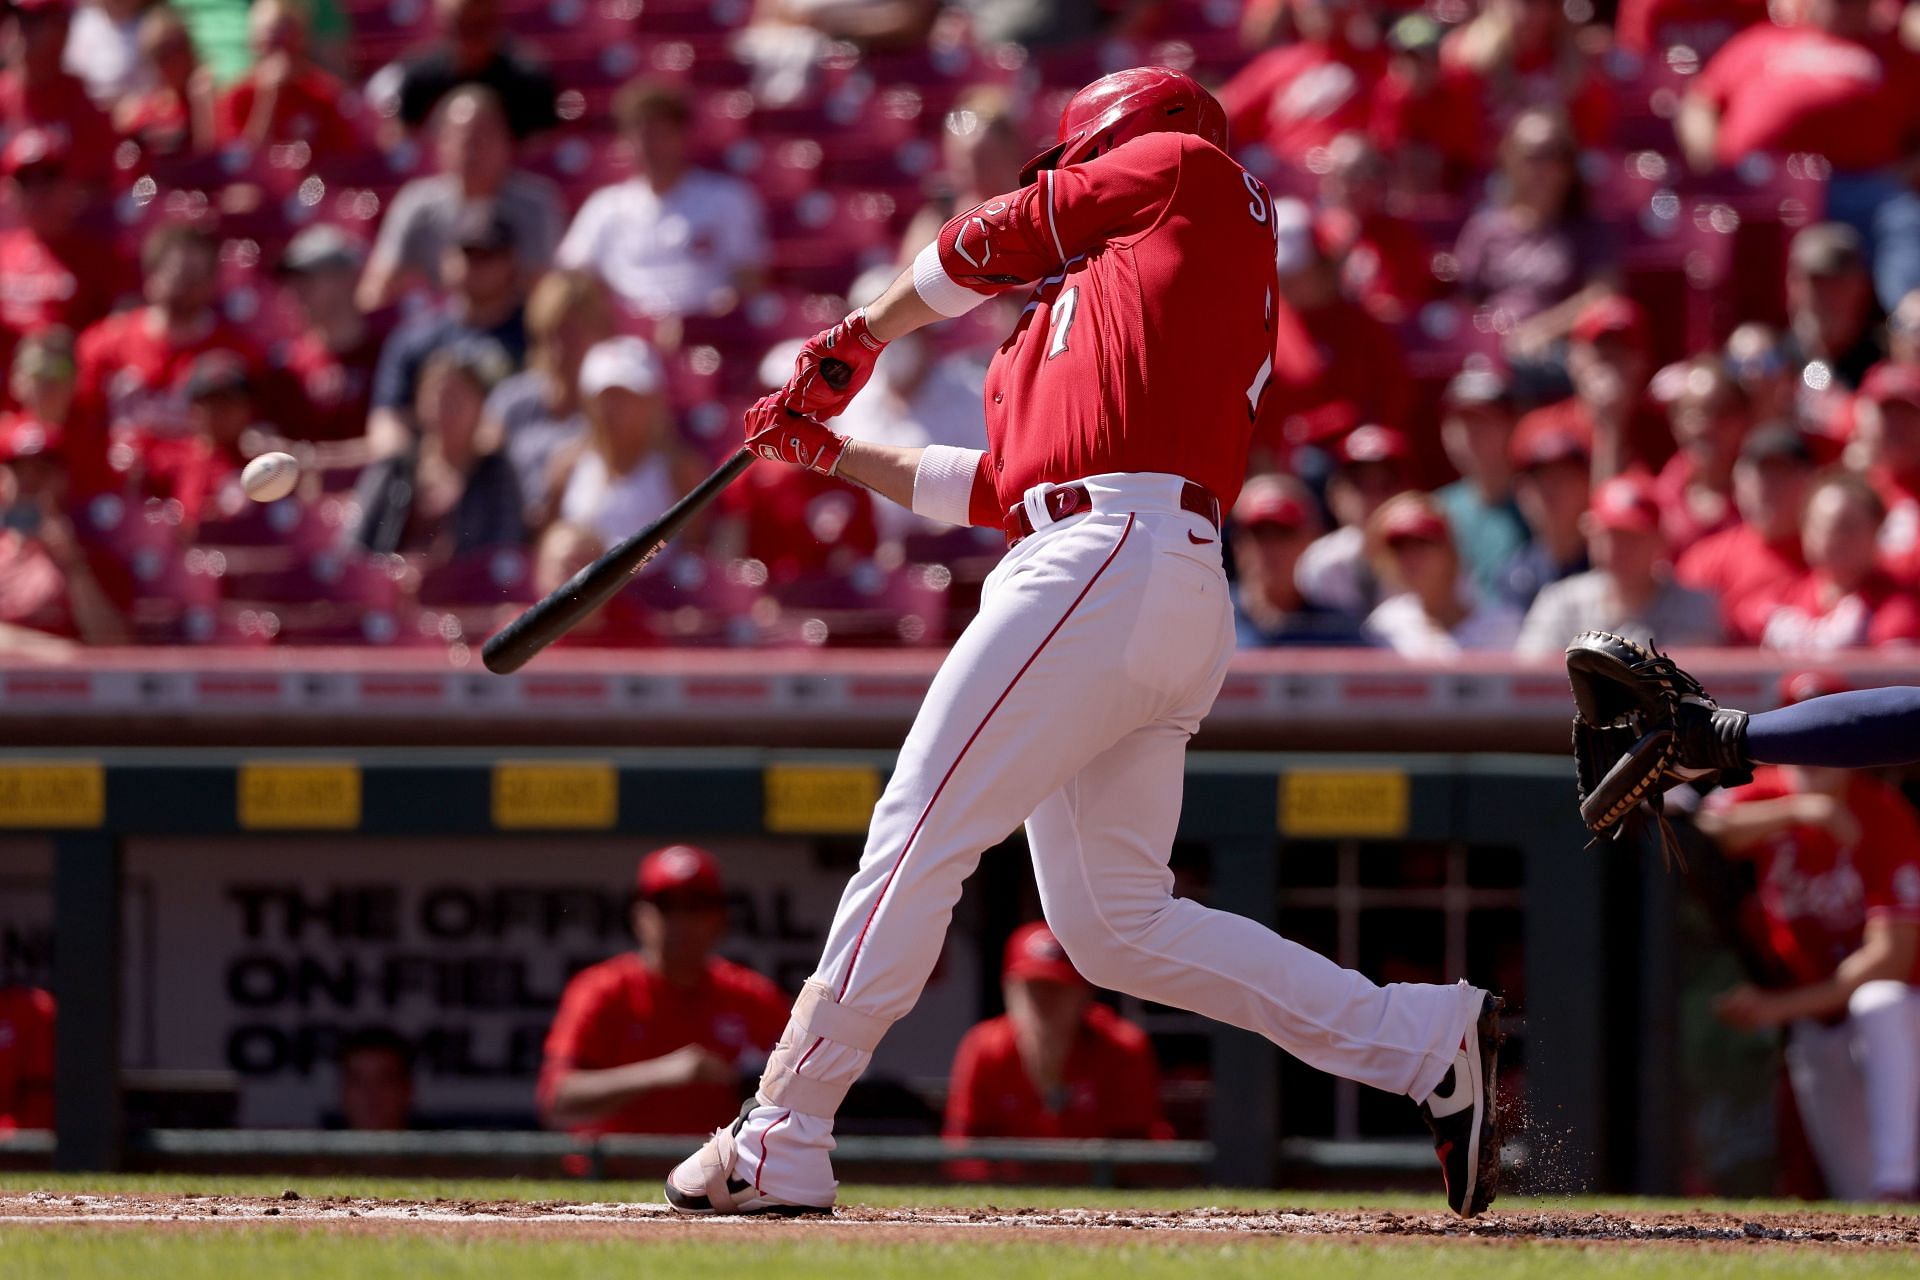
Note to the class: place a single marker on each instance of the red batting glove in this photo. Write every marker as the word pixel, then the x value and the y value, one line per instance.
pixel 780 435
pixel 832 368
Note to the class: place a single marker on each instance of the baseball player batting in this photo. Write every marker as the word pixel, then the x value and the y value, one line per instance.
pixel 1118 418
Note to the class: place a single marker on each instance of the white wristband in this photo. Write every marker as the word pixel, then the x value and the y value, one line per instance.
pixel 937 289
pixel 943 484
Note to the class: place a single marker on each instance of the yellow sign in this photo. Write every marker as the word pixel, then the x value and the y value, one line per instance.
pixel 821 799
pixel 544 795
pixel 53 794
pixel 1344 803
pixel 309 795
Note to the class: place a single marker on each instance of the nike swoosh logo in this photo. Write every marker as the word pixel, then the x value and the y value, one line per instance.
pixel 1198 542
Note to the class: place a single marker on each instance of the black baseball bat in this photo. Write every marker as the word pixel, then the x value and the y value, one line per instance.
pixel 510 647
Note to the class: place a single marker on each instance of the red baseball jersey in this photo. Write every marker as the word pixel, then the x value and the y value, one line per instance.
pixel 1149 341
pixel 313 107
pixel 1109 1087
pixel 26 1058
pixel 1817 896
pixel 70 282
pixel 619 1011
pixel 1746 573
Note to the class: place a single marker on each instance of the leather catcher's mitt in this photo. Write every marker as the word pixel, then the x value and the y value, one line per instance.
pixel 1630 704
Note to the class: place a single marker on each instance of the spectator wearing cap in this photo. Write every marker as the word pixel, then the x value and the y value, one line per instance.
pixel 674 240
pixel 1610 362
pixel 1274 521
pixel 1886 447
pixel 628 468
pixel 471 49
pixel 51 271
pixel 485 300
pixel 474 168
pixel 1370 466
pixel 26 1055
pixel 1709 417
pixel 132 367
pixel 1845 600
pixel 1476 428
pixel 1056 1064
pixel 1748 567
pixel 1530 55
pixel 1429 117
pixel 455 493
pixel 1334 365
pixel 323 386
pixel 36 89
pixel 1536 258
pixel 172 112
pixel 1430 610
pixel 191 468
pixel 1756 359
pixel 1630 590
pixel 982 150
pixel 1552 472
pixel 1299 96
pixel 1831 338
pixel 1648 28
pixel 1835 83
pixel 284 97
pixel 652 1040
pixel 1386 264
pixel 537 411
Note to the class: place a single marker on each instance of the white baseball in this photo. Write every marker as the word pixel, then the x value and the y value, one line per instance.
pixel 270 477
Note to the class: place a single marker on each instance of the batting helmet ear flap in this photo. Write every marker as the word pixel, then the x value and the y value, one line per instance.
pixel 1048 159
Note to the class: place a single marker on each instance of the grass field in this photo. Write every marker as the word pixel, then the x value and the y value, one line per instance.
pixel 518 1230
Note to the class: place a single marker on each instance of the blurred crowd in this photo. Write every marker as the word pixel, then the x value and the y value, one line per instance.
pixel 1590 317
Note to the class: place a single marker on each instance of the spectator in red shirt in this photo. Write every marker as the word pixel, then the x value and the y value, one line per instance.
pixel 1836 855
pixel 174 114
pixel 1650 27
pixel 1535 259
pixel 1609 409
pixel 1055 1065
pixel 191 468
pixel 36 89
pixel 1296 98
pixel 1845 600
pixel 1749 566
pixel 132 365
pixel 1386 264
pixel 1429 117
pixel 651 1041
pixel 1709 417
pixel 1334 366
pixel 284 97
pixel 40 384
pixel 1887 445
pixel 51 273
pixel 26 1058
pixel 1835 84
pixel 1529 54
pixel 621 623
pixel 325 384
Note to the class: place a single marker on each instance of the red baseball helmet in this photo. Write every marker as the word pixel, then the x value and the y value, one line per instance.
pixel 1123 106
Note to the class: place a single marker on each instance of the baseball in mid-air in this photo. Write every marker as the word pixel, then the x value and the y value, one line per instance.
pixel 270 477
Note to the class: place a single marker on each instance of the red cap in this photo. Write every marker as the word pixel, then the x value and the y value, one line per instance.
pixel 35 148
pixel 24 437
pixel 1415 522
pixel 1372 443
pixel 1627 504
pixel 682 870
pixel 1543 438
pixel 1888 382
pixel 1613 314
pixel 1801 685
pixel 1268 500
pixel 1034 954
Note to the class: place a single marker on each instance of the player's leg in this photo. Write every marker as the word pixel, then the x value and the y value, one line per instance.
pixel 1033 689
pixel 1885 1017
pixel 1830 1093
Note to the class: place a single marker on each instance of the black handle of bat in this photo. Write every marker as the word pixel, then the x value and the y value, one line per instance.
pixel 563 608
pixel 838 373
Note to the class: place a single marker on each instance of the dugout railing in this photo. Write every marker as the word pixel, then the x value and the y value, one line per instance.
pixel 1245 811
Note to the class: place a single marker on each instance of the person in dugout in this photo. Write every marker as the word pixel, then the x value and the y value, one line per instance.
pixel 26 1057
pixel 653 1040
pixel 1057 1064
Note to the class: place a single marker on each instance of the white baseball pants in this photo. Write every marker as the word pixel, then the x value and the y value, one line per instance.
pixel 1858 1088
pixel 1101 642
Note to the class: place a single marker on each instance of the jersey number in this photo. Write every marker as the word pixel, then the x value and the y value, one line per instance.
pixel 1065 307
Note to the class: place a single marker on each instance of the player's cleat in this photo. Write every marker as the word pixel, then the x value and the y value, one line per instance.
pixel 1464 1116
pixel 704 1183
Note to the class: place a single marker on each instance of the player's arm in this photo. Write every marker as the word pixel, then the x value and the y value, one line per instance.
pixel 578 1096
pixel 1737 828
pixel 1886 953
